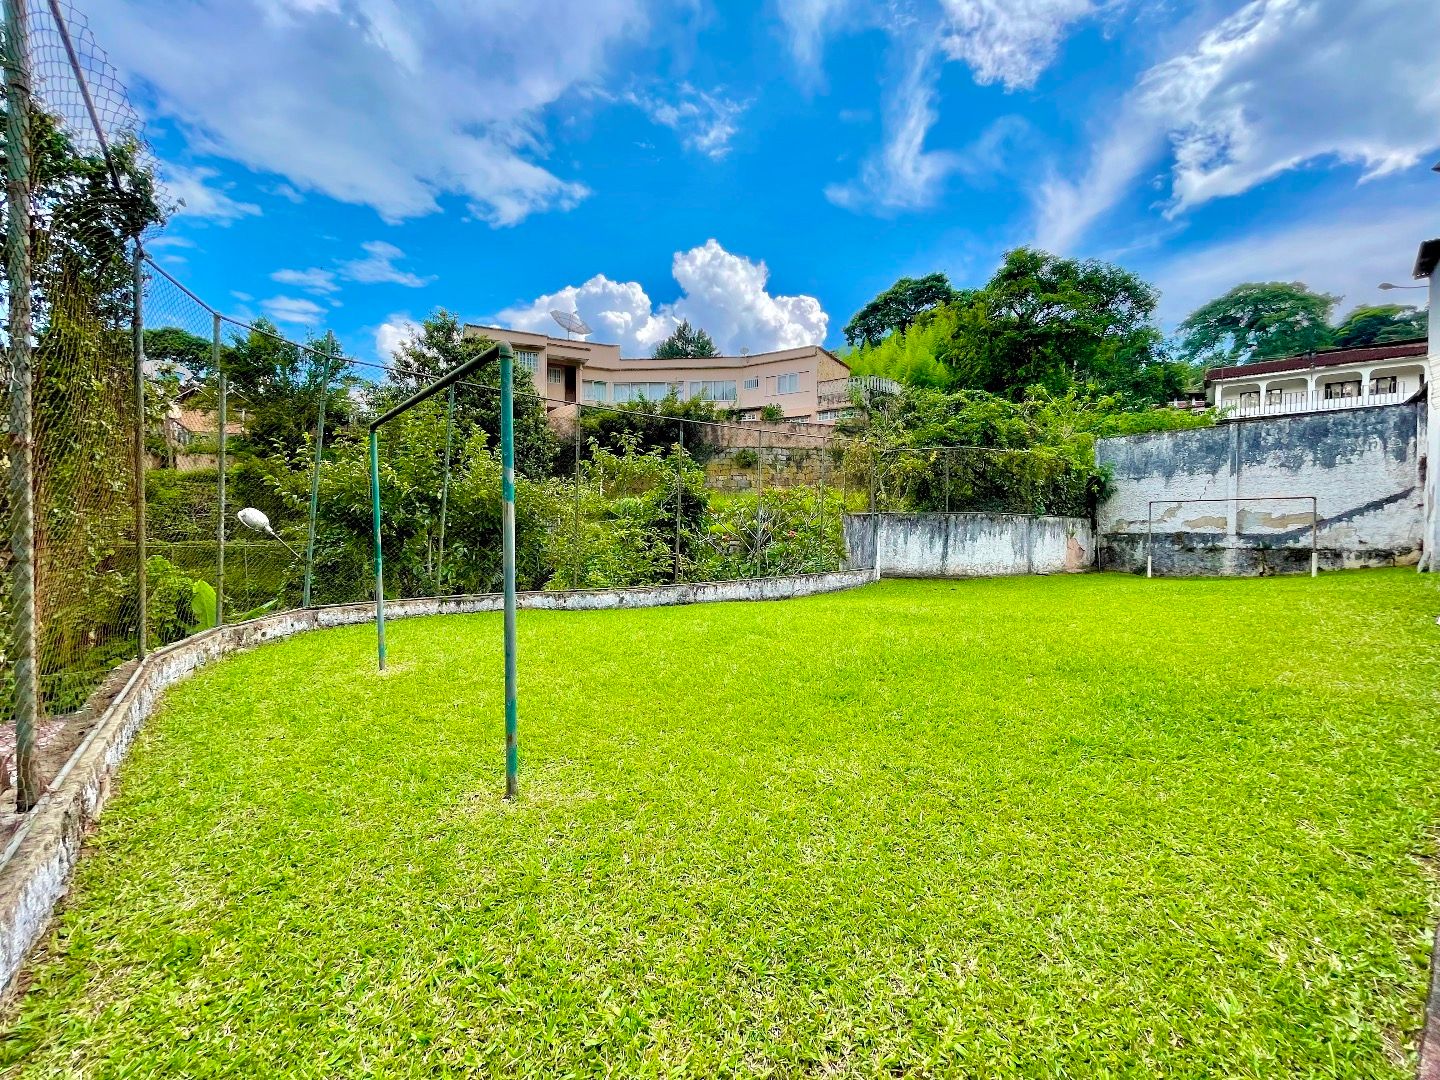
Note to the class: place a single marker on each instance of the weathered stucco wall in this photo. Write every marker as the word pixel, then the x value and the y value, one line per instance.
pixel 1362 465
pixel 968 545
pixel 36 864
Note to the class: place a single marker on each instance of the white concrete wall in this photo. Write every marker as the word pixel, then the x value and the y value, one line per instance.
pixel 969 545
pixel 1362 466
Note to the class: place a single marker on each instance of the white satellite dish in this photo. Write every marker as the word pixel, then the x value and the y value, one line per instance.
pixel 571 322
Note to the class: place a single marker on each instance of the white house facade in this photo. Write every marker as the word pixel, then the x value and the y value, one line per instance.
pixel 1333 379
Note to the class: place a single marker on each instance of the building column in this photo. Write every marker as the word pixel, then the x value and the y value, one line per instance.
pixel 1365 376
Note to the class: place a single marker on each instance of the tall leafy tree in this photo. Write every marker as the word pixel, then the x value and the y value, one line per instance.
pixel 278 385
pixel 1043 320
pixel 686 342
pixel 440 344
pixel 899 306
pixel 1258 321
pixel 1381 323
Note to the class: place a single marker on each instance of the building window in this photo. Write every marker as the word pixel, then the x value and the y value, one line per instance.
pixel 637 391
pixel 594 390
pixel 1250 399
pixel 1349 389
pixel 1274 397
pixel 528 359
pixel 555 376
pixel 788 384
pixel 716 390
pixel 752 384
pixel 1384 384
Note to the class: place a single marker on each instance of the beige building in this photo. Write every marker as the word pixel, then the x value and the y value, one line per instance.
pixel 1335 379
pixel 808 384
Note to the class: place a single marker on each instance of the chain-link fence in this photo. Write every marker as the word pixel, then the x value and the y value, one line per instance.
pixel 978 479
pixel 170 469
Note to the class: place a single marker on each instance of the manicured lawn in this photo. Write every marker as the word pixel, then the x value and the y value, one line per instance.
pixel 1080 827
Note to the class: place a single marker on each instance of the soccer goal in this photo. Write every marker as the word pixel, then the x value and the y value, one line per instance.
pixel 448 382
pixel 1241 530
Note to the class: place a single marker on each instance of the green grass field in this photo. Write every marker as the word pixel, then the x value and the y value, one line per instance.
pixel 1084 826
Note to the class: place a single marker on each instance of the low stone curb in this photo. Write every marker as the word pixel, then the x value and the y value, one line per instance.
pixel 36 864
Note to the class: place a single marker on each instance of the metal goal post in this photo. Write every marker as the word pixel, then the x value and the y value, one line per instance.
pixel 507 527
pixel 1236 501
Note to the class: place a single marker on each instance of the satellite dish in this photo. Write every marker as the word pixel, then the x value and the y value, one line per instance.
pixel 571 322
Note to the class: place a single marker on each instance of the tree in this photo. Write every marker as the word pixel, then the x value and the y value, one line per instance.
pixel 279 384
pixel 440 344
pixel 686 342
pixel 1258 321
pixel 898 306
pixel 1043 320
pixel 1380 323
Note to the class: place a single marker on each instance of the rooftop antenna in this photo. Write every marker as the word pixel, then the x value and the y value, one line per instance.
pixel 571 322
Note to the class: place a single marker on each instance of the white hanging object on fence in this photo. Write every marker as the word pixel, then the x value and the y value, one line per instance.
pixel 256 519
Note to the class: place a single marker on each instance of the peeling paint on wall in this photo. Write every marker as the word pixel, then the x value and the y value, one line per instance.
pixel 1364 467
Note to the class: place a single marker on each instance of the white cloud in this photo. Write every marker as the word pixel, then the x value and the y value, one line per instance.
pixel 379 267
pixel 293 309
pixel 705 121
pixel 312 280
pixel 373 102
pixel 1008 41
pixel 1275 86
pixel 725 294
pixel 1378 244
pixel 391 333
pixel 198 197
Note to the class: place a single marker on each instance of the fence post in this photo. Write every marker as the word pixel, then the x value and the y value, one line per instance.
pixel 444 487
pixel 759 498
pixel 222 461
pixel 946 452
pixel 24 636
pixel 575 550
pixel 137 348
pixel 679 498
pixel 315 485
pixel 507 527
pixel 874 514
pixel 379 557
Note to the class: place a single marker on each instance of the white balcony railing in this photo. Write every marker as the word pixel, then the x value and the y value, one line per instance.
pixel 837 391
pixel 1316 401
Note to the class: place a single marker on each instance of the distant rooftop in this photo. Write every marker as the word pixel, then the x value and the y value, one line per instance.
pixel 1391 350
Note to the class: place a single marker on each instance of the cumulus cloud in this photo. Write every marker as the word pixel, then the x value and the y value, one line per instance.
pixel 726 294
pixel 391 333
pixel 374 102
pixel 1258 94
pixel 199 195
pixel 293 309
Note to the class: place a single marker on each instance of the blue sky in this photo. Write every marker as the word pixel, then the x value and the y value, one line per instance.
pixel 765 168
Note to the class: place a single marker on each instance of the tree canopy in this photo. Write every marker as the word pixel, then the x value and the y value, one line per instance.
pixel 895 309
pixel 1258 321
pixel 686 342
pixel 1040 321
pixel 1380 323
pixel 440 344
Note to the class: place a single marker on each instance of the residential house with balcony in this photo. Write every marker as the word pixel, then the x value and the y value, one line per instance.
pixel 1315 382
pixel 809 384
